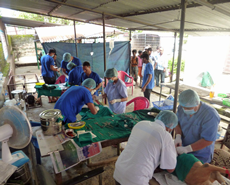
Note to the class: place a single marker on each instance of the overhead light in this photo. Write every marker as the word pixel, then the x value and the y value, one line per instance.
pixel 91 53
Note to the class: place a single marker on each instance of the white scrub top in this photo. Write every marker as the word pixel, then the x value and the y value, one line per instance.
pixel 149 146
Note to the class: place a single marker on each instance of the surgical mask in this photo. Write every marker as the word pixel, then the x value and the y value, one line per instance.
pixel 70 61
pixel 52 55
pixel 92 93
pixel 111 81
pixel 189 112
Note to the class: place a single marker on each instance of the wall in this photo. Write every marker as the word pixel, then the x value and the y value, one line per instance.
pixel 207 54
pixel 23 45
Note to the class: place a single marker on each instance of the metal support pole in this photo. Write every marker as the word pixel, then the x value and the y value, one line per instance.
pixel 36 51
pixel 104 43
pixel 130 65
pixel 174 51
pixel 183 8
pixel 75 37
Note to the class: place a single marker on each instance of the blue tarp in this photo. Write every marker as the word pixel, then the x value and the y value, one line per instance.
pixel 118 58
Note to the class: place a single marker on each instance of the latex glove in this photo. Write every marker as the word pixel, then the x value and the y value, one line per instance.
pixel 184 150
pixel 93 91
pixel 58 69
pixel 178 141
pixel 115 101
pixel 97 108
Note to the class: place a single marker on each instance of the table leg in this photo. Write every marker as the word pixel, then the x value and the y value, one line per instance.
pixel 160 93
pixel 100 179
pixel 58 178
pixel 118 149
pixel 89 161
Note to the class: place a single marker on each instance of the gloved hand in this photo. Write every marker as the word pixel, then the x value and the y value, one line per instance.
pixel 93 91
pixel 115 101
pixel 178 141
pixel 58 69
pixel 96 107
pixel 184 150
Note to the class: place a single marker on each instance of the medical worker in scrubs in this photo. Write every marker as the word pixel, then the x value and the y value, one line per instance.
pixel 150 145
pixel 66 59
pixel 197 128
pixel 88 73
pixel 74 74
pixel 115 91
pixel 72 101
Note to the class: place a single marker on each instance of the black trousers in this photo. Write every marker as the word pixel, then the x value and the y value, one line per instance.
pixel 147 94
pixel 49 80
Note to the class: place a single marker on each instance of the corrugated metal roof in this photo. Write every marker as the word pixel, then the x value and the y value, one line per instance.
pixel 26 23
pixel 140 14
pixel 55 34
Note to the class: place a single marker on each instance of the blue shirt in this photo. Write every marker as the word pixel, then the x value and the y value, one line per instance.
pixel 46 62
pixel 148 70
pixel 75 75
pixel 116 91
pixel 202 125
pixel 72 101
pixel 75 60
pixel 94 76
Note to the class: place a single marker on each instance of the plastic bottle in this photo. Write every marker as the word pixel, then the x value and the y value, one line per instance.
pixel 212 92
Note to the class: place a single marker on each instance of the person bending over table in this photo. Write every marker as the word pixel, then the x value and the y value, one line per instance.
pixel 90 74
pixel 66 59
pixel 197 128
pixel 149 145
pixel 48 69
pixel 74 74
pixel 72 101
pixel 115 91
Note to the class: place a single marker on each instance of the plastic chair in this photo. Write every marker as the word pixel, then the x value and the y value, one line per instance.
pixel 61 79
pixel 122 75
pixel 139 103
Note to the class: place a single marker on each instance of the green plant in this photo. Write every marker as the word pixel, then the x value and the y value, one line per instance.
pixel 175 65
pixel 6 69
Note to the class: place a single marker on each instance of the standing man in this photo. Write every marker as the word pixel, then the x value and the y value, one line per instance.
pixel 90 74
pixel 148 78
pixel 150 145
pixel 48 69
pixel 134 64
pixel 162 65
pixel 140 65
pixel 74 74
pixel 68 58
pixel 197 128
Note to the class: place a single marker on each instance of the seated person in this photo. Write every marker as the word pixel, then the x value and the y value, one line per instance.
pixel 72 101
pixel 115 91
pixel 66 59
pixel 193 172
pixel 74 74
pixel 90 74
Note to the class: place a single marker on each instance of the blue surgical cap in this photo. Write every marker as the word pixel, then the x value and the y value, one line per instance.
pixel 109 73
pixel 66 57
pixel 168 118
pixel 70 65
pixel 90 83
pixel 189 98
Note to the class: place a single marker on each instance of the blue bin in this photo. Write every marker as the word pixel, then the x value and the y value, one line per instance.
pixel 157 104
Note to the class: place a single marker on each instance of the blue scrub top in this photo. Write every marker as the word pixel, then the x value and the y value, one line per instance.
pixel 46 62
pixel 94 76
pixel 202 125
pixel 75 75
pixel 116 91
pixel 75 60
pixel 72 101
pixel 148 70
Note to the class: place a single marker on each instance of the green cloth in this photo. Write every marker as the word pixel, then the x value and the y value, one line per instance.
pixel 112 127
pixel 184 164
pixel 85 139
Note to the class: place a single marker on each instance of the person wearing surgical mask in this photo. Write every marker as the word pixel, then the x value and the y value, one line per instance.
pixel 150 145
pixel 74 74
pixel 72 101
pixel 197 128
pixel 115 91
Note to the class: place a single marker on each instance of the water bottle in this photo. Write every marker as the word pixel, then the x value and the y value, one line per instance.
pixel 6 95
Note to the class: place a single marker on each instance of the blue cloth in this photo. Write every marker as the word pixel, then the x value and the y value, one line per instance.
pixel 72 101
pixel 148 70
pixel 46 62
pixel 75 75
pixel 116 91
pixel 202 125
pixel 94 76
pixel 75 60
